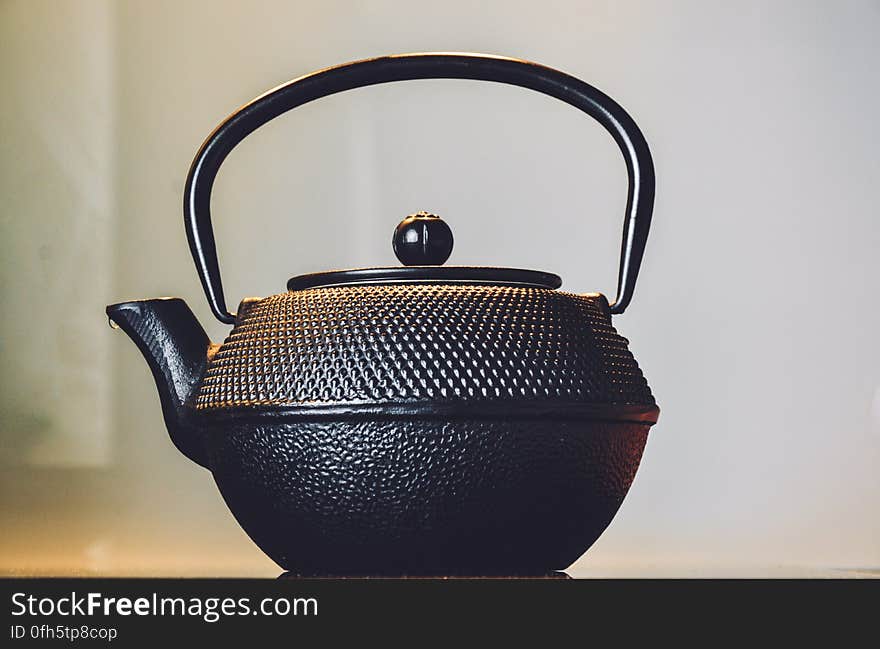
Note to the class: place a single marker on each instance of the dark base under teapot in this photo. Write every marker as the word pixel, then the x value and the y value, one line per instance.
pixel 421 496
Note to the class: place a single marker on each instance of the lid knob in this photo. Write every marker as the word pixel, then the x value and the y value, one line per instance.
pixel 422 240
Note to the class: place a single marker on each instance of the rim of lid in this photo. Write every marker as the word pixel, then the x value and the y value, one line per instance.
pixel 517 277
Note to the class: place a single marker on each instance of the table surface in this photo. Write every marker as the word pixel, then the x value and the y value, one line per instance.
pixel 250 566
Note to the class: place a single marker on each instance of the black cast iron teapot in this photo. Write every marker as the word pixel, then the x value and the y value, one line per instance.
pixel 418 419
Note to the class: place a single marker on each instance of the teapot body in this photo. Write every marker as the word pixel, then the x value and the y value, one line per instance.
pixel 424 428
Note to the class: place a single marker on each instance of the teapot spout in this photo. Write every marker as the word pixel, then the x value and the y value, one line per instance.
pixel 176 348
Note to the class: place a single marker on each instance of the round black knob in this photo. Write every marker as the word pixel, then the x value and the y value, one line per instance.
pixel 422 240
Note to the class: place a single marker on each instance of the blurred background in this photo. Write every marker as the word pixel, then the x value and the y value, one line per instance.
pixel 755 319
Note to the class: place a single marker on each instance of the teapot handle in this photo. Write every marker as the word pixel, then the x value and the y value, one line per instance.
pixel 404 67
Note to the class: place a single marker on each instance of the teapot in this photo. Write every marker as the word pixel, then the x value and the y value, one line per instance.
pixel 420 419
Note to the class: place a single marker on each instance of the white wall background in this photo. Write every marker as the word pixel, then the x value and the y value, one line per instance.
pixel 755 319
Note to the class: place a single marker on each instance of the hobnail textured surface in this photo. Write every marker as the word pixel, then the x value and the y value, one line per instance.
pixel 422 342
pixel 425 496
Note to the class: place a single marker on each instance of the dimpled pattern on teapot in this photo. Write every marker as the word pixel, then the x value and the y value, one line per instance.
pixel 422 342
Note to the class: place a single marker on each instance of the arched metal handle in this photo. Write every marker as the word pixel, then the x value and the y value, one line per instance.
pixel 405 67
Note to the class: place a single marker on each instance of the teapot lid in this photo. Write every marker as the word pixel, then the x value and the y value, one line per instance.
pixel 422 243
